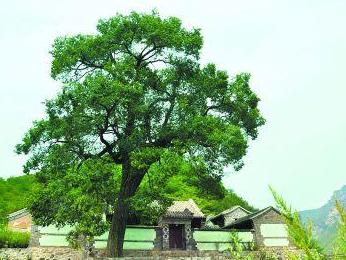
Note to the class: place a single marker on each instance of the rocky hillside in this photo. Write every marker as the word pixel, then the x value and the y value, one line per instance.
pixel 325 218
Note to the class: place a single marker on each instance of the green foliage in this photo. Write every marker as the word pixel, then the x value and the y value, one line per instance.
pixel 78 240
pixel 274 254
pixel 300 235
pixel 84 196
pixel 340 241
pixel 79 198
pixel 211 201
pixel 134 93
pixel 14 193
pixel 237 248
pixel 179 180
pixel 135 90
pixel 13 239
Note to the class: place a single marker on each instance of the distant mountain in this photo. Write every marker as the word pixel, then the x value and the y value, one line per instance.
pixel 325 219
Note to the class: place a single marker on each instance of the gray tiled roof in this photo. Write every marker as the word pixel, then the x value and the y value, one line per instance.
pixel 253 215
pixel 19 213
pixel 230 210
pixel 180 207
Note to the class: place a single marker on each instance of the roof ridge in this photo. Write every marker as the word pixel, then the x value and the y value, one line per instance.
pixel 190 204
pixel 255 214
pixel 18 212
pixel 194 205
pixel 229 210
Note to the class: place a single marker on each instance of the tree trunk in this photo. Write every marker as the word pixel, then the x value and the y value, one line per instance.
pixel 131 179
pixel 117 230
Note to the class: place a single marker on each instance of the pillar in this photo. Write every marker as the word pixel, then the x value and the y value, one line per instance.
pixel 165 236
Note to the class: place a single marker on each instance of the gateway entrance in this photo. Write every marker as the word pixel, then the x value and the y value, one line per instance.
pixel 176 236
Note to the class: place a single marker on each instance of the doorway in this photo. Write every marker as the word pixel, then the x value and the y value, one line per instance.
pixel 176 236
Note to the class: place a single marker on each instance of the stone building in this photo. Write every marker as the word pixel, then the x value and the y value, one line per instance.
pixel 228 216
pixel 176 226
pixel 268 225
pixel 20 220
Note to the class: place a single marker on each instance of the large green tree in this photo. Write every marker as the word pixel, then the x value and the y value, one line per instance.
pixel 133 93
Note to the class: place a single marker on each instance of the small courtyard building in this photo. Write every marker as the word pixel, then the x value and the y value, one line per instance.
pixel 268 225
pixel 177 224
pixel 20 220
pixel 228 216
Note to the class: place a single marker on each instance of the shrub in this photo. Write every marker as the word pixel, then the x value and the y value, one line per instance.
pixel 13 239
pixel 299 234
pixel 340 243
pixel 237 248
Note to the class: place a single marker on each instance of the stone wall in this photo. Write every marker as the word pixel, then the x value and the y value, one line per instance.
pixel 15 253
pixel 234 215
pixel 64 253
pixel 41 253
pixel 271 217
pixel 281 254
pixel 56 253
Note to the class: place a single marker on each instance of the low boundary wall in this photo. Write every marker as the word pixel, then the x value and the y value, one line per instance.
pixel 65 253
pixel 143 238
pixel 136 237
pixel 220 240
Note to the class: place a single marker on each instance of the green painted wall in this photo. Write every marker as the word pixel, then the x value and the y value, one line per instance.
pixel 135 233
pixel 54 230
pixel 145 238
pixel 52 236
pixel 274 230
pixel 128 245
pixel 217 240
pixel 53 240
pixel 274 234
pixel 206 240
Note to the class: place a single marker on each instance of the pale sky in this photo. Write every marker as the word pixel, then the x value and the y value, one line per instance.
pixel 294 49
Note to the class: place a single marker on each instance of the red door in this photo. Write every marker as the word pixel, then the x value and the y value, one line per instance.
pixel 176 233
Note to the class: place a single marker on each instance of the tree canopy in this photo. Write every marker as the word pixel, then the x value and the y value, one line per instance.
pixel 133 94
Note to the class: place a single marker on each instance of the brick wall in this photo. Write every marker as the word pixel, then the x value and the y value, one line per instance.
pixel 22 223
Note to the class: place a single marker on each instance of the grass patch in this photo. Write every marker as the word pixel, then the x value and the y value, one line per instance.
pixel 13 239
